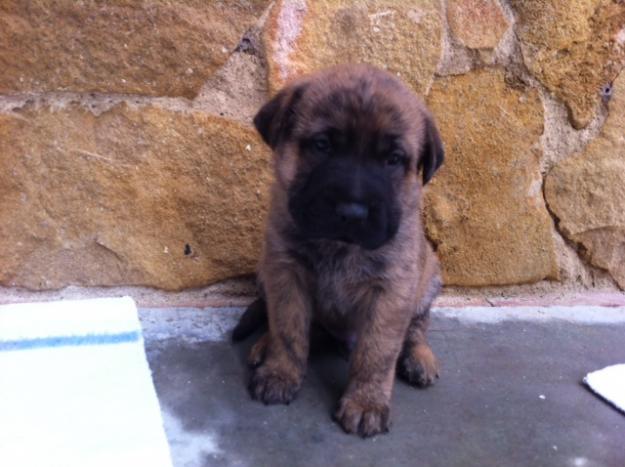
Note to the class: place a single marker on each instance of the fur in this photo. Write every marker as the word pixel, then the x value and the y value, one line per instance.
pixel 344 244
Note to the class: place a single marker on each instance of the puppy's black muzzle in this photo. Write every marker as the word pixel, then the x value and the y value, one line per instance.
pixel 345 201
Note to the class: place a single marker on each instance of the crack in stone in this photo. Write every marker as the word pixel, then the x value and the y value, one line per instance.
pixel 579 251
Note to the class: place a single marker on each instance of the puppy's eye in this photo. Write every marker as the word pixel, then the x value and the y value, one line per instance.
pixel 321 143
pixel 395 158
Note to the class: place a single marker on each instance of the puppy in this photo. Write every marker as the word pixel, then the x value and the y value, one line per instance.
pixel 344 244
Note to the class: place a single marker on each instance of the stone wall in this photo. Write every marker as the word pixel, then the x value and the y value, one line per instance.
pixel 127 156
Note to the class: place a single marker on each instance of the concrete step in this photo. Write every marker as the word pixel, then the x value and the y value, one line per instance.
pixel 510 394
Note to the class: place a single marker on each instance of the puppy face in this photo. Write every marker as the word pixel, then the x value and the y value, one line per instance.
pixel 353 146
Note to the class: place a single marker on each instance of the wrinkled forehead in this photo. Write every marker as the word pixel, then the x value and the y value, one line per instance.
pixel 381 109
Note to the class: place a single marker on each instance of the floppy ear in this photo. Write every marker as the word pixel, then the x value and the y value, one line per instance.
pixel 432 153
pixel 275 120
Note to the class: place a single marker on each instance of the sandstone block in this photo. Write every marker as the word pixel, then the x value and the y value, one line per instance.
pixel 587 193
pixel 575 49
pixel 133 196
pixel 401 36
pixel 484 210
pixel 477 24
pixel 161 48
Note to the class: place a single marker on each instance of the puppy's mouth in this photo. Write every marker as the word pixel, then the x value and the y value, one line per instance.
pixel 368 227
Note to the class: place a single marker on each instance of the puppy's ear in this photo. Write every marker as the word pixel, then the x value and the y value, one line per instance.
pixel 275 120
pixel 432 154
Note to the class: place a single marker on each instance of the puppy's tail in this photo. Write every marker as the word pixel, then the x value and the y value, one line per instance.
pixel 253 318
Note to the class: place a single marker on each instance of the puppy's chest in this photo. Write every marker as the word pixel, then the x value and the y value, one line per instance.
pixel 342 279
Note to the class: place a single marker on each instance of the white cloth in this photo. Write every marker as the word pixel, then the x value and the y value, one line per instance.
pixel 609 383
pixel 76 388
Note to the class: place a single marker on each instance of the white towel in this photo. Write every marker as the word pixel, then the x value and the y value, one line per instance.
pixel 609 383
pixel 75 387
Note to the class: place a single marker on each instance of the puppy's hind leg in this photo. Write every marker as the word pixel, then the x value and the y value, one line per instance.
pixel 258 351
pixel 417 364
pixel 252 319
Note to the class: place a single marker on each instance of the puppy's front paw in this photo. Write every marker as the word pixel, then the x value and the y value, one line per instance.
pixel 273 386
pixel 418 366
pixel 363 417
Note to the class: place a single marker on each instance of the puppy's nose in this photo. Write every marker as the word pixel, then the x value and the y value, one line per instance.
pixel 352 211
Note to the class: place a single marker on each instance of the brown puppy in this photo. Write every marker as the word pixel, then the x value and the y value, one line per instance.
pixel 344 243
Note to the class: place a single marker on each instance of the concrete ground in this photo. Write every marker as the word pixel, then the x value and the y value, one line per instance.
pixel 510 394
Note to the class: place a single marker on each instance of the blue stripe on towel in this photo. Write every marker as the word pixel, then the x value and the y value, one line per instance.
pixel 59 341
